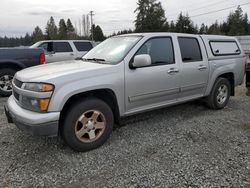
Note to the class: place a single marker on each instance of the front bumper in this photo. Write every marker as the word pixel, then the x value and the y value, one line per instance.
pixel 39 124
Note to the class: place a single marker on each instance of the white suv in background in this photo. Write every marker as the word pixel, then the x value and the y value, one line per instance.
pixel 62 50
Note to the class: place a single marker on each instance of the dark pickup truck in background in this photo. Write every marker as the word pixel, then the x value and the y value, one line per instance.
pixel 13 60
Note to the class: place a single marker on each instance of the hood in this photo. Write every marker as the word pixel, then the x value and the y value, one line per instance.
pixel 47 72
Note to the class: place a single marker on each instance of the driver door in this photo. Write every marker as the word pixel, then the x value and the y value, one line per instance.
pixel 155 85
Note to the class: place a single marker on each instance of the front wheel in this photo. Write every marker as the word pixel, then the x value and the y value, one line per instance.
pixel 219 95
pixel 6 76
pixel 87 125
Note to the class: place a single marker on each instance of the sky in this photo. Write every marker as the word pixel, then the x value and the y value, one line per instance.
pixel 21 16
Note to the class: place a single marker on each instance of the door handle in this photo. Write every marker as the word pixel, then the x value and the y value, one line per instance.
pixel 202 67
pixel 71 54
pixel 173 70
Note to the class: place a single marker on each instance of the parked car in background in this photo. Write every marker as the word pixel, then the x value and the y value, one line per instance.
pixel 13 60
pixel 122 76
pixel 62 50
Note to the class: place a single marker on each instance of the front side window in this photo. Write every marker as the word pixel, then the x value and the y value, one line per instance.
pixel 160 50
pixel 47 46
pixel 190 49
pixel 60 47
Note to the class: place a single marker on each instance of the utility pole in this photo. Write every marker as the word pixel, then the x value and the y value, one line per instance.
pixel 91 13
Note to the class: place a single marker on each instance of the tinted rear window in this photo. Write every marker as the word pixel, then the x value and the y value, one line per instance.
pixel 83 46
pixel 220 48
pixel 62 47
pixel 190 49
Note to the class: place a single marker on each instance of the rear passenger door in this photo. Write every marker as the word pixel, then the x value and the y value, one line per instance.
pixel 61 51
pixel 194 67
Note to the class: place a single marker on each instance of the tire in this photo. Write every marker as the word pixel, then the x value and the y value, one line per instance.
pixel 87 125
pixel 219 95
pixel 6 76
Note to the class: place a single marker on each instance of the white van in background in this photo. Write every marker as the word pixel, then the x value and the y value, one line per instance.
pixel 62 50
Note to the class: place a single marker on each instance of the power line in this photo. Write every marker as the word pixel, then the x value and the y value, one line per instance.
pixel 197 15
pixel 202 7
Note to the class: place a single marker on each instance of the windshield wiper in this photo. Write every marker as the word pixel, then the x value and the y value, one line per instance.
pixel 94 59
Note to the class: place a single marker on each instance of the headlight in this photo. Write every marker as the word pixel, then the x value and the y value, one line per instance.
pixel 37 104
pixel 39 87
pixel 34 104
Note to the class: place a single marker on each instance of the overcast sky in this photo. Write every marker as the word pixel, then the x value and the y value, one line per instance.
pixel 21 16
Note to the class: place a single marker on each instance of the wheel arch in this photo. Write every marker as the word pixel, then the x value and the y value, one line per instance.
pixel 107 95
pixel 230 77
pixel 11 65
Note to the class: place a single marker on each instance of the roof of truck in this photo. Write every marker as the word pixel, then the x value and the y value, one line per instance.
pixel 208 37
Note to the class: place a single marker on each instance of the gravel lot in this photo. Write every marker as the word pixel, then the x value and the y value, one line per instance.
pixel 182 146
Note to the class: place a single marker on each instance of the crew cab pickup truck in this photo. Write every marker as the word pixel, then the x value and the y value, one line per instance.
pixel 124 75
pixel 62 50
pixel 13 60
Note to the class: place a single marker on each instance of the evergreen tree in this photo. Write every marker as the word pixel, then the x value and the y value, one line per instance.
pixel 51 29
pixel 224 28
pixel 125 31
pixel 62 31
pixel 172 27
pixel 71 33
pixel 27 41
pixel 237 23
pixel 37 35
pixel 246 25
pixel 150 16
pixel 97 33
pixel 215 29
pixel 203 29
pixel 184 25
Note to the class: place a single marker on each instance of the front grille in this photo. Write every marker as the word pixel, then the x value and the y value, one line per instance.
pixel 18 83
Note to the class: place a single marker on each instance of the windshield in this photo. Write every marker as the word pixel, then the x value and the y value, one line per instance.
pixel 112 50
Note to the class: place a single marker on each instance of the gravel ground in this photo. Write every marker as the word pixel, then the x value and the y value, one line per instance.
pixel 183 146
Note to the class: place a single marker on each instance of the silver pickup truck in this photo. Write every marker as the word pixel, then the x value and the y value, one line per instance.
pixel 125 75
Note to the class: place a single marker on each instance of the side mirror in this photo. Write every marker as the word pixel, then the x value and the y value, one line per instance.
pixel 141 61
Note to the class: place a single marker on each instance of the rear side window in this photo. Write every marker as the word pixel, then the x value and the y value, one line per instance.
pixel 160 50
pixel 61 47
pixel 221 48
pixel 83 46
pixel 190 49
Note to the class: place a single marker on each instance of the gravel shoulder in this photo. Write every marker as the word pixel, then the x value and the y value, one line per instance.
pixel 182 146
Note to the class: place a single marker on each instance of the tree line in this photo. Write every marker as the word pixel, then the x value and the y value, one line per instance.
pixel 150 17
pixel 64 31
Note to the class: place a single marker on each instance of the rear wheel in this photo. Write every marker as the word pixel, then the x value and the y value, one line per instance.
pixel 88 124
pixel 220 94
pixel 6 76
